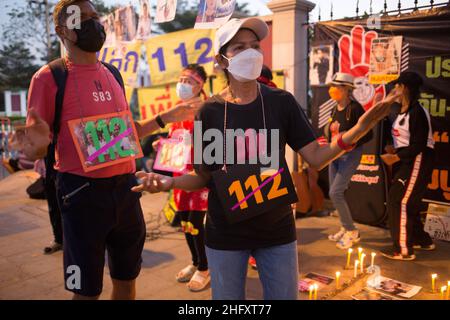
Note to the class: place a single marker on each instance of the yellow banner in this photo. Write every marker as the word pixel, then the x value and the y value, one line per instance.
pixel 124 57
pixel 168 54
pixel 129 93
pixel 156 99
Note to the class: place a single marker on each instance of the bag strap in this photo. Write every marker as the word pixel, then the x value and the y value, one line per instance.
pixel 59 71
pixel 116 74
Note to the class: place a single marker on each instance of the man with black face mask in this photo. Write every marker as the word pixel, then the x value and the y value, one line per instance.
pixel 98 209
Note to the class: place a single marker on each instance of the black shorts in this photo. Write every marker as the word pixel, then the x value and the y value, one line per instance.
pixel 99 214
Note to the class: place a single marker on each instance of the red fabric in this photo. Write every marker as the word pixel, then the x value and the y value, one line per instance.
pixel 85 85
pixel 188 201
pixel 267 82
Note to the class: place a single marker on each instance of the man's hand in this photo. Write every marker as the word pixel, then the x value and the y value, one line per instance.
pixel 182 111
pixel 389 159
pixel 32 139
pixel 153 182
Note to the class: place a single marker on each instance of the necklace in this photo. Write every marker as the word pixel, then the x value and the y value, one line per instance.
pixel 224 168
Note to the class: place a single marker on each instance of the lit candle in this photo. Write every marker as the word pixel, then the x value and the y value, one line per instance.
pixel 356 268
pixel 448 290
pixel 360 250
pixel 433 282
pixel 349 255
pixel 363 256
pixel 443 289
pixel 338 275
pixel 373 259
pixel 311 288
pixel 316 287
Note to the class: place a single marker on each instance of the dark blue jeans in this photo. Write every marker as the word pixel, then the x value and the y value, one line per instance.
pixel 340 172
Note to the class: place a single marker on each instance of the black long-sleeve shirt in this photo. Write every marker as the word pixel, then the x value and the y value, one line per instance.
pixel 412 132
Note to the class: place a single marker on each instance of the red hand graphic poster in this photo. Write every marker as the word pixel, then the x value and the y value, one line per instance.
pixel 416 42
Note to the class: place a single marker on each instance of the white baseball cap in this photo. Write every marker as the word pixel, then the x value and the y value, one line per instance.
pixel 226 32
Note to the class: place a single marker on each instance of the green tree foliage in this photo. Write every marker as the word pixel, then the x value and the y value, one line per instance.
pixel 16 66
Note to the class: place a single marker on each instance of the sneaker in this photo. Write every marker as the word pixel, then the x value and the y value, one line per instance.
pixel 337 236
pixel 394 255
pixel 427 247
pixel 348 239
pixel 252 262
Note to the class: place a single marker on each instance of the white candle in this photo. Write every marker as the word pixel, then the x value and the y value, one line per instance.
pixel 433 282
pixel 443 289
pixel 338 275
pixel 373 259
pixel 448 290
pixel 355 274
pixel 349 255
pixel 363 256
pixel 360 250
pixel 316 287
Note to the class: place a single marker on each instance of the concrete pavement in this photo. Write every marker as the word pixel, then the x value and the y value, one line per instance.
pixel 25 273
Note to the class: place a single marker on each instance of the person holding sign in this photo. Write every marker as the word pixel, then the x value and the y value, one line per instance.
pixel 251 191
pixel 412 135
pixel 192 206
pixel 96 147
pixel 344 116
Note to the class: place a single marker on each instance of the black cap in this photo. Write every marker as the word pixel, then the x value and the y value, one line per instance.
pixel 410 79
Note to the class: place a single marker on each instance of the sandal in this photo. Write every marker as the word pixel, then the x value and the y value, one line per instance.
pixel 53 247
pixel 186 274
pixel 199 281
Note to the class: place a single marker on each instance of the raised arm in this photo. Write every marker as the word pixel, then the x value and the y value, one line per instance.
pixel 181 112
pixel 320 156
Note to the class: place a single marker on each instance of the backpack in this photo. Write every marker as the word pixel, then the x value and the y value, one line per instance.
pixel 59 71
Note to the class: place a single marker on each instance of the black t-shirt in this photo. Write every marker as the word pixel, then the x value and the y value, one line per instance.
pixel 344 120
pixel 281 112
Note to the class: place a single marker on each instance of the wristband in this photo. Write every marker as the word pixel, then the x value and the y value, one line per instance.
pixel 341 144
pixel 160 121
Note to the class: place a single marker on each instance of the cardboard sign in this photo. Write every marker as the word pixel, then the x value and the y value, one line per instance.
pixel 173 155
pixel 438 222
pixel 246 192
pixel 385 59
pixel 105 140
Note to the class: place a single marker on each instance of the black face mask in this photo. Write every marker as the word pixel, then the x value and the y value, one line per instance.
pixel 91 36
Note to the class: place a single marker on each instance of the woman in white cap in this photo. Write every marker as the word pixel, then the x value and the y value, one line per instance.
pixel 344 117
pixel 259 224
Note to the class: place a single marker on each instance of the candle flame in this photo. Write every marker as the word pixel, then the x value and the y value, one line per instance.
pixel 434 276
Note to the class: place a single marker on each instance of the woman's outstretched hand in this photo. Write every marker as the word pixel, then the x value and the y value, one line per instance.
pixel 153 182
pixel 378 112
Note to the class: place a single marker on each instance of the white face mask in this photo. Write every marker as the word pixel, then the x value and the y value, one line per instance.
pixel 185 91
pixel 246 65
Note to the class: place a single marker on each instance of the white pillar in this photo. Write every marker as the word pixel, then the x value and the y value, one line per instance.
pixel 8 106
pixel 290 50
pixel 23 103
